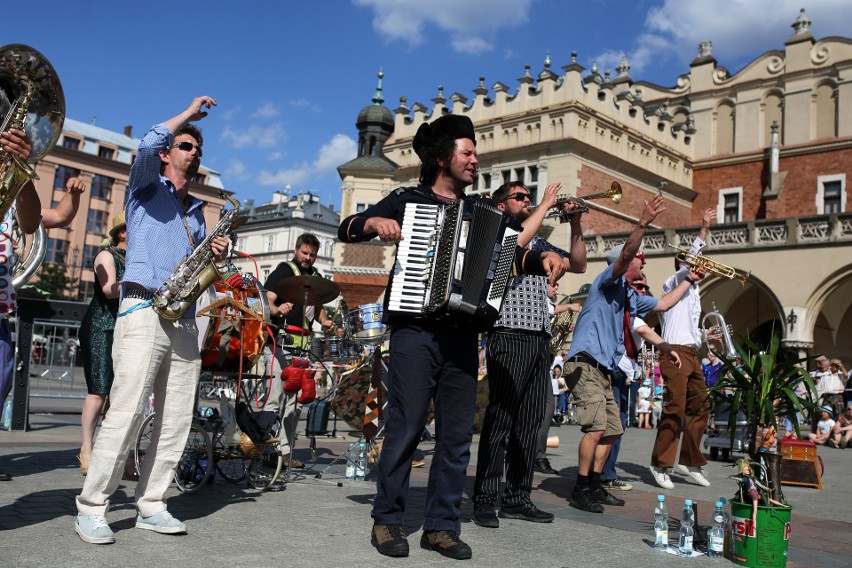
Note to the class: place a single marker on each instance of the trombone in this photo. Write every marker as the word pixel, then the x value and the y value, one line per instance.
pixel 708 265
pixel 614 193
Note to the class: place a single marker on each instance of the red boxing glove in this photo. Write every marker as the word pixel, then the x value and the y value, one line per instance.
pixel 309 388
pixel 300 363
pixel 292 377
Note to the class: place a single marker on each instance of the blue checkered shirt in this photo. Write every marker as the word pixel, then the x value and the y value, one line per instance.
pixel 157 239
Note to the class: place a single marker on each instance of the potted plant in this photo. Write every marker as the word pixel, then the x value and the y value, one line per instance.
pixel 765 390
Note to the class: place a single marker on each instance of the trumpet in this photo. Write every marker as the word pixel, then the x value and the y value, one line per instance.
pixel 708 265
pixel 614 193
pixel 713 332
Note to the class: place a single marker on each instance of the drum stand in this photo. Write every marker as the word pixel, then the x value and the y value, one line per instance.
pixel 350 455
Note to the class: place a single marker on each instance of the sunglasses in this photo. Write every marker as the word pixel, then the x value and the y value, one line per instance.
pixel 188 146
pixel 641 287
pixel 519 196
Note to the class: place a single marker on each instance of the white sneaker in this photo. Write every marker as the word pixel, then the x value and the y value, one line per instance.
pixel 94 529
pixel 162 522
pixel 696 473
pixel 661 476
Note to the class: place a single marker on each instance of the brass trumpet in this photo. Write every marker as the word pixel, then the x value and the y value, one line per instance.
pixel 614 193
pixel 708 265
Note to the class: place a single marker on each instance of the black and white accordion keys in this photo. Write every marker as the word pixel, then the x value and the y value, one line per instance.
pixel 454 258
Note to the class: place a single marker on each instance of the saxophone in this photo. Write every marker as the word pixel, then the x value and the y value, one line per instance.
pixel 195 273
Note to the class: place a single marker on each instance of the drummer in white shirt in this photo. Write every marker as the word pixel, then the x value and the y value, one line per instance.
pixel 685 398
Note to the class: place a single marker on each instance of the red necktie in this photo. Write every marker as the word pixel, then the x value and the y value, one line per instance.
pixel 629 345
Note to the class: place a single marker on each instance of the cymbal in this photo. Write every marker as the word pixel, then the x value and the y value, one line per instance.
pixel 320 290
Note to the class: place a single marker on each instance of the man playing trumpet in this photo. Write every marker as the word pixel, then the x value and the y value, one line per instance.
pixel 685 398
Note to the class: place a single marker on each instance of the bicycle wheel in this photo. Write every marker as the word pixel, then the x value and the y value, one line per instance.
pixel 229 459
pixel 196 464
pixel 143 440
pixel 264 467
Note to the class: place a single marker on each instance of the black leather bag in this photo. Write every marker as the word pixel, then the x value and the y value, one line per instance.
pixel 259 425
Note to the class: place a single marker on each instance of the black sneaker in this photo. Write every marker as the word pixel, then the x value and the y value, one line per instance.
pixel 390 540
pixel 447 543
pixel 583 499
pixel 526 513
pixel 542 465
pixel 605 497
pixel 486 517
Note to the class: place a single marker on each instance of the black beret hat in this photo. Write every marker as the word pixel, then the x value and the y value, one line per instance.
pixel 449 126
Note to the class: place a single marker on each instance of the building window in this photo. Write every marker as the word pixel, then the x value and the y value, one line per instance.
pixel 360 207
pixel 63 174
pixel 96 222
pixel 269 241
pixel 730 206
pixel 265 270
pixel 200 178
pixel 831 194
pixel 71 143
pixel 106 153
pixel 241 244
pixel 56 250
pixel 507 175
pixel 520 176
pixel 486 182
pixel 89 254
pixel 102 187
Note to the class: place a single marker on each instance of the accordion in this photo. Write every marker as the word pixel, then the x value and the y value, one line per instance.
pixel 453 259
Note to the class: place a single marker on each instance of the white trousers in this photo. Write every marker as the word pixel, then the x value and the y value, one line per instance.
pixel 150 354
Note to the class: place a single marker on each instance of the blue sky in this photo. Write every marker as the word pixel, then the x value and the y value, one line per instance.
pixel 291 76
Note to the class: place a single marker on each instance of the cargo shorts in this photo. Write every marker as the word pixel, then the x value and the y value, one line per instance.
pixel 597 409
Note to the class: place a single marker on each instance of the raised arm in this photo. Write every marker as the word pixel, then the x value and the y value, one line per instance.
pixel 634 241
pixel 28 206
pixel 66 209
pixel 532 223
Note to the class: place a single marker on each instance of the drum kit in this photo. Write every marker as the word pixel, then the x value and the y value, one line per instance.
pixel 239 325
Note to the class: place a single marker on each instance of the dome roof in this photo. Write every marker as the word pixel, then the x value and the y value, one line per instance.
pixel 375 113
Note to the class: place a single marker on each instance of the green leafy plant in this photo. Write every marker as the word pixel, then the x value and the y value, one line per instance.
pixel 764 388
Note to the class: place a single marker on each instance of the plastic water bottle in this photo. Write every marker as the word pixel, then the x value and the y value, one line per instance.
pixel 716 534
pixel 687 521
pixel 726 511
pixel 661 525
pixel 350 466
pixel 361 467
pixel 7 414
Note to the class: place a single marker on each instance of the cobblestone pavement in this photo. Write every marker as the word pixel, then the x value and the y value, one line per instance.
pixel 326 522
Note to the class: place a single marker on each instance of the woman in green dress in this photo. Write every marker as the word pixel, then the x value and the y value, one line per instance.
pixel 96 332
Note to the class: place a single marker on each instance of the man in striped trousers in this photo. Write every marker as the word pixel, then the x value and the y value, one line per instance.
pixel 518 361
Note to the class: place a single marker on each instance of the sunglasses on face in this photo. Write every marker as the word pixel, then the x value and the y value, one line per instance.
pixel 641 287
pixel 519 196
pixel 187 147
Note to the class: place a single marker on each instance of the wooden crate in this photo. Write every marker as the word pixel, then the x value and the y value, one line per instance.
pixel 801 464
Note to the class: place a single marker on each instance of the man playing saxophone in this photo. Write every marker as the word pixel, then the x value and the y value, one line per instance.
pixel 685 399
pixel 152 354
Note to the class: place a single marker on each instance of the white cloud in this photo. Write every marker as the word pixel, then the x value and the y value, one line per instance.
pixel 304 103
pixel 231 113
pixel 266 110
pixel 739 29
pixel 237 169
pixel 294 176
pixel 339 150
pixel 275 156
pixel 472 25
pixel 254 136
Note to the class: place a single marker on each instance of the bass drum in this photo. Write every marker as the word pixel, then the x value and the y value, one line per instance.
pixel 233 334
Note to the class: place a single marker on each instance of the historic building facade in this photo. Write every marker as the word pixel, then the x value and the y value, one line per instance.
pixel 769 147
pixel 102 159
pixel 269 236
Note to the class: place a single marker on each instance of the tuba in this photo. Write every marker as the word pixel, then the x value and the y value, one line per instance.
pixel 614 193
pixel 32 100
pixel 26 264
pixel 197 272
pixel 560 324
pixel 718 326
